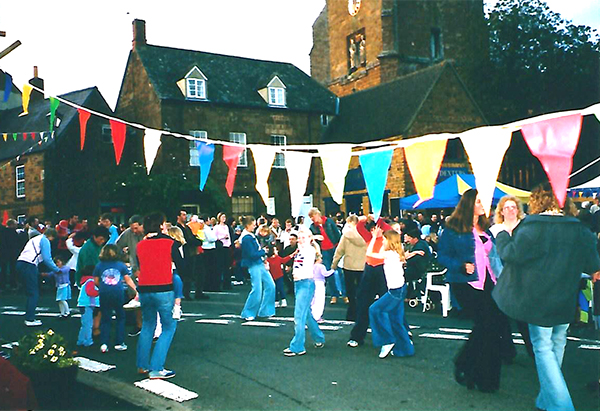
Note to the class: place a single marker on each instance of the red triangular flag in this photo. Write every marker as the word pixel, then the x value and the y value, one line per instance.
pixel 83 118
pixel 231 157
pixel 4 217
pixel 24 136
pixel 118 130
pixel 554 143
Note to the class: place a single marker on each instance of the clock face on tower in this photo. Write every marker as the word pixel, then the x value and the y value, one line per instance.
pixel 353 7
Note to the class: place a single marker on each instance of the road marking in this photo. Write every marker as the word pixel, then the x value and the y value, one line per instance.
pixel 48 314
pixel 329 327
pixel 166 389
pixel 220 293
pixel 290 319
pixel 444 336
pixel 192 315
pixel 42 309
pixel 456 330
pixel 589 347
pixel 230 316
pixel 585 340
pixel 93 366
pixel 215 321
pixel 262 324
pixel 336 322
pixel 13 313
pixel 9 307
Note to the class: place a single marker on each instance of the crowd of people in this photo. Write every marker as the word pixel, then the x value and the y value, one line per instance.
pixel 513 270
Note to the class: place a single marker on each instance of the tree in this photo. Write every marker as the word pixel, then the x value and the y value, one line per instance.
pixel 539 62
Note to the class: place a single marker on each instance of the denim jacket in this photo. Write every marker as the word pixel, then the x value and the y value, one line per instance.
pixel 457 249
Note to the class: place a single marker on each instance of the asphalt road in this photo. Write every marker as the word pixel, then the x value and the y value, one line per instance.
pixel 241 367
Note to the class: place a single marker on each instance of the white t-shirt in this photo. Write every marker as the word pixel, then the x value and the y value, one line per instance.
pixel 393 269
pixel 304 263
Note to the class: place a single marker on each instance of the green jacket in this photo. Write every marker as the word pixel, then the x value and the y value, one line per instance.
pixel 88 255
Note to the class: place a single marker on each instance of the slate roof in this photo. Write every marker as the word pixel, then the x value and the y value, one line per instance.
pixel 384 111
pixel 38 121
pixel 233 80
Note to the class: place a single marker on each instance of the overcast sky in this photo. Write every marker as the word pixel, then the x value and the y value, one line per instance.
pixel 79 44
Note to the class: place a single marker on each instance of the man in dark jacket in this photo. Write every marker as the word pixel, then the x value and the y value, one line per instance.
pixel 10 248
pixel 193 268
pixel 417 260
pixel 328 236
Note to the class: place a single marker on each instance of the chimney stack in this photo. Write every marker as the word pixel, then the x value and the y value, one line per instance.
pixel 39 83
pixel 139 33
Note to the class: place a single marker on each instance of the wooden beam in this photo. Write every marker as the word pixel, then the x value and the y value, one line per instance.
pixel 10 48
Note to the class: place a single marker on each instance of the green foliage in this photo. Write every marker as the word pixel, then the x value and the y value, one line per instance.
pixel 42 351
pixel 539 61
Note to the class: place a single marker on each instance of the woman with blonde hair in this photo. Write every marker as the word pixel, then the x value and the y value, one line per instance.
pixel 543 262
pixel 509 212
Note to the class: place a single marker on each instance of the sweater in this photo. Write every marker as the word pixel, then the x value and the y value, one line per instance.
pixel 252 254
pixel 353 248
pixel 275 262
pixel 156 255
pixel 331 231
pixel 88 255
pixel 304 263
pixel 543 263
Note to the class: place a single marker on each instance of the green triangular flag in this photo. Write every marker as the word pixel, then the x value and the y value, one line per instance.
pixel 15 136
pixel 53 106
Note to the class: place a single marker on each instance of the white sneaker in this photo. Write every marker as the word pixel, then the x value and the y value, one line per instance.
pixel 132 304
pixel 121 347
pixel 386 350
pixel 34 323
pixel 277 305
pixel 283 303
pixel 104 348
pixel 177 312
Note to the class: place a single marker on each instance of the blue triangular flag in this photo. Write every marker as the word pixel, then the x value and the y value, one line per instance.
pixel 375 168
pixel 7 87
pixel 206 154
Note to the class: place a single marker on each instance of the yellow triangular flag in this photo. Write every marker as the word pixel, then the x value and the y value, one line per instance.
pixel 335 159
pixel 26 95
pixel 263 161
pixel 424 161
pixel 4 136
pixel 486 147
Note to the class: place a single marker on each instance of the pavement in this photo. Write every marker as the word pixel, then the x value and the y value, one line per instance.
pixel 239 366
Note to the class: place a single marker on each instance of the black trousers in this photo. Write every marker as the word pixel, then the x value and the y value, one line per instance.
pixel 352 280
pixel 490 342
pixel 212 275
pixel 372 284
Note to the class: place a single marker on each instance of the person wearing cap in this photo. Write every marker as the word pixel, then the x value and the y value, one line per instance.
pixel 36 251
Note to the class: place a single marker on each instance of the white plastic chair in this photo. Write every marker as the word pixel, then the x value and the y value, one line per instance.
pixel 443 289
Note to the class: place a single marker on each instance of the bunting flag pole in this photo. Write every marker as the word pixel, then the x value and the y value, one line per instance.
pixel 53 106
pixel 298 170
pixel 486 162
pixel 335 160
pixel 424 161
pixel 151 145
pixel 27 88
pixel 206 155
pixel 263 162
pixel 83 119
pixel 231 157
pixel 375 168
pixel 118 131
pixel 8 83
pixel 554 142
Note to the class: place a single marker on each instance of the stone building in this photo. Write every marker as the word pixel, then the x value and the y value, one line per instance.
pixel 401 69
pixel 47 175
pixel 223 98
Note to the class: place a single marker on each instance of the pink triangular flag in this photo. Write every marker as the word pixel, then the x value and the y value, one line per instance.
pixel 231 157
pixel 118 131
pixel 83 118
pixel 554 142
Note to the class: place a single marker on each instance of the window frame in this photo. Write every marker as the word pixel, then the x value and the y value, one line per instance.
pixel 20 181
pixel 198 82
pixel 278 100
pixel 279 160
pixel 245 200
pixel 194 154
pixel 243 161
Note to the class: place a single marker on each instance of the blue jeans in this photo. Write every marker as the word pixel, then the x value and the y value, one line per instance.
pixel 153 304
pixel 279 289
pixel 85 331
pixel 549 348
pixel 177 285
pixel 304 292
pixel 387 322
pixel 29 273
pixel 261 300
pixel 335 283
pixel 112 302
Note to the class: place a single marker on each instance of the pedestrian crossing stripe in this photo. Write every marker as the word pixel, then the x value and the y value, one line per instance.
pixel 329 327
pixel 192 315
pixel 262 324
pixel 42 309
pixel 589 347
pixel 230 316
pixel 455 330
pixel 166 389
pixel 48 314
pixel 93 366
pixel 13 313
pixel 444 336
pixel 9 307
pixel 214 321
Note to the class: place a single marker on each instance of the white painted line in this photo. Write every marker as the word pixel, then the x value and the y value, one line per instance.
pixel 42 309
pixel 11 345
pixel 585 340
pixel 444 336
pixel 518 341
pixel 230 316
pixel 329 327
pixel 48 314
pixel 336 322
pixel 9 307
pixel 13 313
pixel 414 327
pixel 76 316
pixel 166 389
pixel 456 330
pixel 290 319
pixel 517 335
pixel 192 315
pixel 93 366
pixel 215 321
pixel 589 347
pixel 219 293
pixel 262 324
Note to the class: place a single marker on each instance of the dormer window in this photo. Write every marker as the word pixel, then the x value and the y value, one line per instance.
pixel 193 85
pixel 276 90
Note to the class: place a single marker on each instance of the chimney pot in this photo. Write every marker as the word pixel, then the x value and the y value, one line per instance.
pixel 36 81
pixel 35 71
pixel 139 33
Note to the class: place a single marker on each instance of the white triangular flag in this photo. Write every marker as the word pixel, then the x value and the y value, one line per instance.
pixel 335 159
pixel 263 162
pixel 298 170
pixel 151 145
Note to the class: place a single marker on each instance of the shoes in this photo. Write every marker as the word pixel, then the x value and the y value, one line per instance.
pixel 134 333
pixel 132 304
pixel 161 375
pixel 283 303
pixel 289 353
pixel 104 348
pixel 34 323
pixel 346 300
pixel 352 344
pixel 319 344
pixel 333 300
pixel 177 312
pixel 142 371
pixel 121 347
pixel 386 350
pixel 277 304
